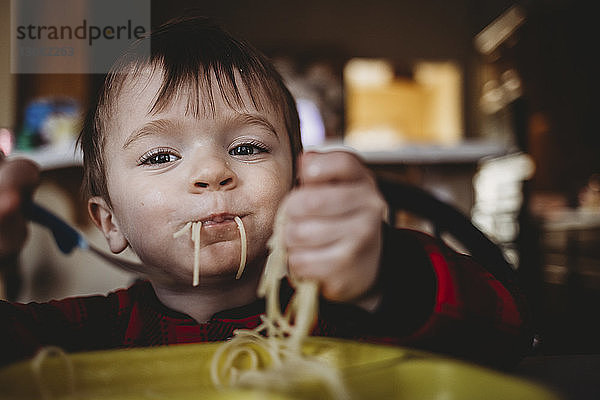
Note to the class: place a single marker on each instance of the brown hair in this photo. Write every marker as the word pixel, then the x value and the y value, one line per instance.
pixel 187 50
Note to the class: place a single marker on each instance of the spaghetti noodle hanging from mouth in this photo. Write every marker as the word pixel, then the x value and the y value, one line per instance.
pixel 244 244
pixel 196 227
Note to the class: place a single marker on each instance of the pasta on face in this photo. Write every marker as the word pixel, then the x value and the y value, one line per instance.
pixel 244 244
pixel 37 364
pixel 195 227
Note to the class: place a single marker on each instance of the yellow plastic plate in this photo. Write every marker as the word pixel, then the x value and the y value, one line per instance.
pixel 182 372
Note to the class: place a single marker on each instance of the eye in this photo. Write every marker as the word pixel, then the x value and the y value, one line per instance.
pixel 248 149
pixel 158 157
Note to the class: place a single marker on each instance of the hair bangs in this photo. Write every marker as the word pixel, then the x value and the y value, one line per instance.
pixel 216 63
pixel 198 79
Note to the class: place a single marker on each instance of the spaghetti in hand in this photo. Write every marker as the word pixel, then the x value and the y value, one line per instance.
pixel 270 356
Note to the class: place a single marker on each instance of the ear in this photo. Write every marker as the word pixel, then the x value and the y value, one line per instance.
pixel 105 220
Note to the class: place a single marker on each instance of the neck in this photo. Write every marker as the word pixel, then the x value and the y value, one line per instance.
pixel 212 295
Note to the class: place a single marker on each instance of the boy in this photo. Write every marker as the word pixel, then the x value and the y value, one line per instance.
pixel 204 130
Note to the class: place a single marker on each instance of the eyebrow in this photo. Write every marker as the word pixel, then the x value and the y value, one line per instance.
pixel 163 125
pixel 150 128
pixel 254 119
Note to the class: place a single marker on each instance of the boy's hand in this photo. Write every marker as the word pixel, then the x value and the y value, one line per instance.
pixel 18 178
pixel 333 230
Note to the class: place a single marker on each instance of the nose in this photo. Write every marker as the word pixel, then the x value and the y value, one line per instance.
pixel 211 174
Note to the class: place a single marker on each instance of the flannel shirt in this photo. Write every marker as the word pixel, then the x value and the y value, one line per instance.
pixel 433 298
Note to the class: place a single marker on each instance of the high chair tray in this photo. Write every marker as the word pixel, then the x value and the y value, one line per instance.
pixel 182 372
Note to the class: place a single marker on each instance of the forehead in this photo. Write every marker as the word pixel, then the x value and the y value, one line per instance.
pixel 147 93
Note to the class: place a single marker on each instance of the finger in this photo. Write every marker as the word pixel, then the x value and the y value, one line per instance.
pixel 317 263
pixel 332 200
pixel 10 203
pixel 313 232
pixel 326 266
pixel 18 177
pixel 19 173
pixel 348 238
pixel 13 230
pixel 335 166
pixel 320 201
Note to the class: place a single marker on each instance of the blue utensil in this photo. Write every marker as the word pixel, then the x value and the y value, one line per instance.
pixel 68 238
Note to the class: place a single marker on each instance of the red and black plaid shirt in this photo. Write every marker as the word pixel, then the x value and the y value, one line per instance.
pixel 434 299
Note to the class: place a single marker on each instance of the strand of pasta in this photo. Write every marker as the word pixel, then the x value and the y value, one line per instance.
pixel 183 230
pixel 196 227
pixel 244 247
pixel 36 366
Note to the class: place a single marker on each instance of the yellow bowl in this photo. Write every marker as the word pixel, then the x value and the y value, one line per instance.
pixel 182 372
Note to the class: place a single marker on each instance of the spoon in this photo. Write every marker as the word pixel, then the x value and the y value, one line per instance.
pixel 68 238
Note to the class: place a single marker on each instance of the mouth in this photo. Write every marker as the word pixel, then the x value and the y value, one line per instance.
pixel 216 219
pixel 214 227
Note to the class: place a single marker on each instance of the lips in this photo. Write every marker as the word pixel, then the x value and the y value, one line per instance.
pixel 215 219
pixel 218 228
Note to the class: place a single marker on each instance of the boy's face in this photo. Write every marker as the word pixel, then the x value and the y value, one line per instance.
pixel 169 168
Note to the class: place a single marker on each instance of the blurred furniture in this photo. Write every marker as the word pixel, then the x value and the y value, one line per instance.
pixel 571 239
pixel 446 171
pixel 573 375
pixel 568 357
pixel 447 219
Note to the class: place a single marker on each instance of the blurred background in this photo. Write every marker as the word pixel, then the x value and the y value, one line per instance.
pixel 489 105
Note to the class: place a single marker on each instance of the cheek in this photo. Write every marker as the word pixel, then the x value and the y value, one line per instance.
pixel 267 194
pixel 140 209
pixel 271 194
pixel 269 187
